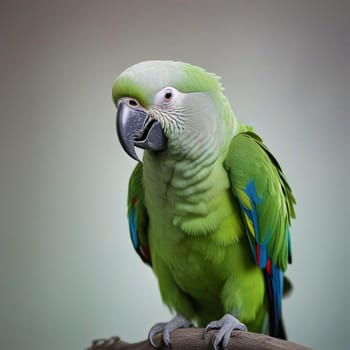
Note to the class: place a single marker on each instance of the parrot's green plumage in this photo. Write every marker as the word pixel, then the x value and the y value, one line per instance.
pixel 209 207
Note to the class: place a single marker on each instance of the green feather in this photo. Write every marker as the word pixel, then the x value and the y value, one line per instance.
pixel 188 209
pixel 250 160
pixel 135 81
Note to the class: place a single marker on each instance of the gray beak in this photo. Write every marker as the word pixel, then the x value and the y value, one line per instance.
pixel 136 128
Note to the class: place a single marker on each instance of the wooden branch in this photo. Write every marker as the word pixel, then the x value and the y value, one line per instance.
pixel 192 339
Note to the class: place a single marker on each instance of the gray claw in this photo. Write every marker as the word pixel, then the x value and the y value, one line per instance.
pixel 156 329
pixel 167 328
pixel 225 325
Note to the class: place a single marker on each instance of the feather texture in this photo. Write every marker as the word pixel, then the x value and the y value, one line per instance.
pixel 211 213
pixel 137 216
pixel 267 203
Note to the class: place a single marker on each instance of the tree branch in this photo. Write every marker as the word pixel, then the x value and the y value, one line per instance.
pixel 192 339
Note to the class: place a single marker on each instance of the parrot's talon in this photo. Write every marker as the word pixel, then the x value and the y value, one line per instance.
pixel 225 327
pixel 156 329
pixel 166 338
pixel 166 328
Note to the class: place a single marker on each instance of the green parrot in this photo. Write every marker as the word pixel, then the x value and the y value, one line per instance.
pixel 209 208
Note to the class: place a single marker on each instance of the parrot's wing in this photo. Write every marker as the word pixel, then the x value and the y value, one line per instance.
pixel 138 216
pixel 266 202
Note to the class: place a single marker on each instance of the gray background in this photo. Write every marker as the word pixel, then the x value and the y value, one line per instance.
pixel 68 272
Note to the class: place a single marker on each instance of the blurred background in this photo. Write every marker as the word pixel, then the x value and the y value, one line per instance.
pixel 68 271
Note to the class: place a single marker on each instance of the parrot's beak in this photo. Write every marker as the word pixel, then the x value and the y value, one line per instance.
pixel 136 128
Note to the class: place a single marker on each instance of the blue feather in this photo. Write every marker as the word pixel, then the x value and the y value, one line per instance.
pixel 274 277
pixel 250 190
pixel 263 256
pixel 133 230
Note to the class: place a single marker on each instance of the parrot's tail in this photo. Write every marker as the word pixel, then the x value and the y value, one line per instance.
pixel 287 290
pixel 281 331
pixel 276 324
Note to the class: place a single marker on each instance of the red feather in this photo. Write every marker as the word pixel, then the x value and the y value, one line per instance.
pixel 269 267
pixel 257 254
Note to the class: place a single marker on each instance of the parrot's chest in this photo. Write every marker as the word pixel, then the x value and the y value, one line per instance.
pixel 194 227
pixel 196 265
pixel 198 275
pixel 199 261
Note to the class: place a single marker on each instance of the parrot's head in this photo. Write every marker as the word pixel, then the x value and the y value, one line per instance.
pixel 171 106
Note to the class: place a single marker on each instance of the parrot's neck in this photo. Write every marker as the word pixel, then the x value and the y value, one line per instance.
pixel 187 193
pixel 187 185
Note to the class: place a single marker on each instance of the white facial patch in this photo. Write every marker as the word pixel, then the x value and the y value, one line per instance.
pixel 168 97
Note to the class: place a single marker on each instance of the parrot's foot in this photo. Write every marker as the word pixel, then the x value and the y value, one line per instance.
pixel 167 328
pixel 225 325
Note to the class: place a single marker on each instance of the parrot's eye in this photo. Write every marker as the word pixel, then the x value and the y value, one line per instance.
pixel 168 95
pixel 132 102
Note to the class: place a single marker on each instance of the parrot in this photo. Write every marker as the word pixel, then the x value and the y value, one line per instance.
pixel 209 208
